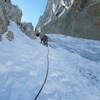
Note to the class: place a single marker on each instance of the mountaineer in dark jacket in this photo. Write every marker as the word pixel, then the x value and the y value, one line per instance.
pixel 45 40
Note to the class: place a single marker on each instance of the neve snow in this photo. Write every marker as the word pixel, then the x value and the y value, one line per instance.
pixel 74 64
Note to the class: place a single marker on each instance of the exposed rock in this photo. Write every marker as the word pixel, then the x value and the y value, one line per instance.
pixel 78 18
pixel 23 26
pixel 28 29
pixel 84 22
pixel 8 12
pixel 9 1
pixel 10 35
pixel 0 37
pixel 3 26
pixel 54 10
pixel 11 12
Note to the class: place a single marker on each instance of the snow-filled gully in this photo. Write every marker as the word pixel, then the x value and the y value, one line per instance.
pixel 45 76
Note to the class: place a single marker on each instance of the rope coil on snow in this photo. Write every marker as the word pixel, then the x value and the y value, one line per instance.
pixel 45 77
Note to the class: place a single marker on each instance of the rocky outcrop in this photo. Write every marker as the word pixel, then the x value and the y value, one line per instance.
pixel 12 12
pixel 85 21
pixel 54 16
pixel 3 25
pixel 28 29
pixel 8 12
pixel 0 37
pixel 9 1
pixel 78 18
pixel 10 35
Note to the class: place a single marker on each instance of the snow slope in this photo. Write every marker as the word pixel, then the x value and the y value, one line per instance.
pixel 74 68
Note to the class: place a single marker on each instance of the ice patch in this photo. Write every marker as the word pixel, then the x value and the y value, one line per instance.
pixel 35 73
pixel 3 69
pixel 8 63
pixel 56 74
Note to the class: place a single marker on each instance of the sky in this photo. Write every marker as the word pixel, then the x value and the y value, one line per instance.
pixel 74 68
pixel 32 9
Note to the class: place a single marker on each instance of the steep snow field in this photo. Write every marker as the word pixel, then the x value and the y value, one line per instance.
pixel 74 68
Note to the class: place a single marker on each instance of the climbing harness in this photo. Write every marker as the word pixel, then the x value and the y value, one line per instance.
pixel 45 76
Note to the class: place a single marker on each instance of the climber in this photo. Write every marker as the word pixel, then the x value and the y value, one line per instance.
pixel 44 38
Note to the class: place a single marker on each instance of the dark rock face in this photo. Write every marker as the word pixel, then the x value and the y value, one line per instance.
pixel 78 18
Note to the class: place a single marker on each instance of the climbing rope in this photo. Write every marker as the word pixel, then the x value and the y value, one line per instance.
pixel 45 76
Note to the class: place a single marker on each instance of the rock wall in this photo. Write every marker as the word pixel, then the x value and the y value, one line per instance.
pixel 78 18
pixel 3 25
pixel 8 12
pixel 54 10
pixel 85 19
pixel 28 29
